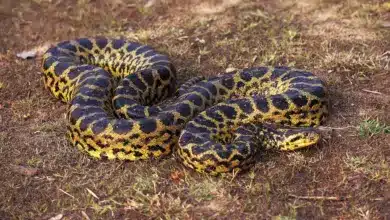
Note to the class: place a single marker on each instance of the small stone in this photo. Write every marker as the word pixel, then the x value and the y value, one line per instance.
pixel 230 68
pixel 57 217
pixel 202 41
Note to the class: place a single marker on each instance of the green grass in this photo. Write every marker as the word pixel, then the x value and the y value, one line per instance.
pixel 369 128
pixel 375 169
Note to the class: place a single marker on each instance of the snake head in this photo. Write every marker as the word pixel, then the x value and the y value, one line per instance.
pixel 297 138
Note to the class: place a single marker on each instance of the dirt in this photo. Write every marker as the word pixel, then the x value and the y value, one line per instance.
pixel 345 176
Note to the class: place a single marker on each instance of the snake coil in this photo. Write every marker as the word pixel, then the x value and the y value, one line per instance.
pixel 113 88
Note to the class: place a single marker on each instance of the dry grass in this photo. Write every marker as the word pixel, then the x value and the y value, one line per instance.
pixel 345 177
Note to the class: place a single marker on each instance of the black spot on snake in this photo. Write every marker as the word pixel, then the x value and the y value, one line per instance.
pixel 222 91
pixel 66 45
pixel 48 63
pixel 132 46
pixel 257 71
pixel 297 98
pixel 196 99
pixel 84 42
pixel 138 154
pixel 278 71
pixel 246 76
pixel 261 104
pixel 158 58
pixel 167 118
pixel 184 109
pixel 148 125
pixel 61 67
pixel 147 76
pixel 164 73
pixel 157 148
pixel 137 82
pixel 122 126
pixel 245 106
pixel 228 111
pixel 228 83
pixel 101 42
pixel 118 43
pixel 100 126
pixel 279 102
pixel 87 120
pixel 296 73
pixel 142 49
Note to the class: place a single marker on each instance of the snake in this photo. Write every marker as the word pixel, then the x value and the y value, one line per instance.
pixel 123 103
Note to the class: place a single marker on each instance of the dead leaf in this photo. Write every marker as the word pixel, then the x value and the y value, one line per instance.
pixel 176 176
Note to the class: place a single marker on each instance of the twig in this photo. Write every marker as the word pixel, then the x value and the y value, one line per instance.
pixel 85 215
pixel 374 92
pixel 378 199
pixel 331 198
pixel 324 128
pixel 66 193
pixel 92 193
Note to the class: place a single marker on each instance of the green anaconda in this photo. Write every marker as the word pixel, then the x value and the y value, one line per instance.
pixel 114 90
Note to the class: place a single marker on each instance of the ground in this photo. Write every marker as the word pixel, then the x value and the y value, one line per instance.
pixel 346 176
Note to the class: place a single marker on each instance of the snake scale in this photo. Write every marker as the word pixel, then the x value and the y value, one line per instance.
pixel 114 90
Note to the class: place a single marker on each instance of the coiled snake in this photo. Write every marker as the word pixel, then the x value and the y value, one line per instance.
pixel 113 88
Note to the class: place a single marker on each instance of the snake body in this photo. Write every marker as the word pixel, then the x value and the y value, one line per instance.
pixel 114 90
